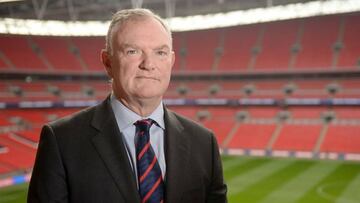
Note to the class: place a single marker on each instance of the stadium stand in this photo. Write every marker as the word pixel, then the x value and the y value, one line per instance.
pixel 277 41
pixel 20 155
pixel 221 120
pixel 85 46
pixel 34 117
pixel 298 137
pixel 60 53
pixel 350 48
pixel 311 88
pixel 4 120
pixel 347 113
pixel 200 50
pixel 30 135
pixel 178 45
pixel 20 55
pixel 280 86
pixel 306 112
pixel 263 112
pixel 252 136
pixel 343 138
pixel 317 41
pixel 32 90
pixel 189 112
pixel 239 44
pixel 3 65
pixel 221 128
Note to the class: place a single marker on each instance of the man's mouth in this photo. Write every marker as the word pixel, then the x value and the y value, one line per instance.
pixel 147 77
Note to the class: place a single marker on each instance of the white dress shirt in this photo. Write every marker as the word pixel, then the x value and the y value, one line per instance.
pixel 126 118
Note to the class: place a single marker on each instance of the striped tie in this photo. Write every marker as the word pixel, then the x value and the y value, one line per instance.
pixel 151 185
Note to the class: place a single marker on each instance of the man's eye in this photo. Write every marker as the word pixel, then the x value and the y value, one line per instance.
pixel 131 52
pixel 162 53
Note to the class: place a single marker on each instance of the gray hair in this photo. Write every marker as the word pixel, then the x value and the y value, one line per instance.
pixel 125 15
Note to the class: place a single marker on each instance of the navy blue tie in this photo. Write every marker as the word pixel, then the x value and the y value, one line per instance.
pixel 151 184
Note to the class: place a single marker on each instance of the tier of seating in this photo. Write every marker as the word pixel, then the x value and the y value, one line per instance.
pixel 12 90
pixel 294 129
pixel 317 43
pixel 17 55
pixel 19 154
pixel 298 137
pixel 302 129
pixel 318 39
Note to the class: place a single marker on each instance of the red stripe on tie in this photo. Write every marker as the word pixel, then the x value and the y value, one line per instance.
pixel 146 122
pixel 148 169
pixel 151 191
pixel 144 149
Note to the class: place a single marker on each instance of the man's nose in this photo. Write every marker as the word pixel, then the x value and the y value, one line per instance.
pixel 147 62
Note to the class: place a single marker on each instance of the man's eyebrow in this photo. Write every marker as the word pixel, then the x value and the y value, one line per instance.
pixel 163 47
pixel 126 45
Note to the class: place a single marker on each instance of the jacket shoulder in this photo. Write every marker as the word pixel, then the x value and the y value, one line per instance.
pixel 189 124
pixel 74 119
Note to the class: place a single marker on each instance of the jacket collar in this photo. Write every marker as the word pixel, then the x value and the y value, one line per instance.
pixel 177 153
pixel 111 148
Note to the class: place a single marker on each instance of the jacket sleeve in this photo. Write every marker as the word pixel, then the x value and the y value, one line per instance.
pixel 218 189
pixel 48 181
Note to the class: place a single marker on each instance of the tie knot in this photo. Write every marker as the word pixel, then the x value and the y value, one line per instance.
pixel 145 124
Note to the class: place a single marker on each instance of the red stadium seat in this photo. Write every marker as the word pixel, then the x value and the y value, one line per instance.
pixel 238 43
pixel 342 138
pixel 19 156
pixel 200 50
pixel 319 36
pixel 252 136
pixel 350 53
pixel 18 51
pixel 90 49
pixel 277 41
pixel 178 45
pixel 297 137
pixel 306 112
pixel 32 135
pixel 4 66
pixel 57 51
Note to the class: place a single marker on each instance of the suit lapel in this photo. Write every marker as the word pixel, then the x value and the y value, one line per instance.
pixel 177 151
pixel 111 149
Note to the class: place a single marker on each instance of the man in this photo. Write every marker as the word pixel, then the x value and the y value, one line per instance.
pixel 130 148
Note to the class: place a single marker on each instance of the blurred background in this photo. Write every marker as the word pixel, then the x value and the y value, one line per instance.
pixel 278 81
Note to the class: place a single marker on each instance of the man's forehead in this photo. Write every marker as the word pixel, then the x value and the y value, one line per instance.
pixel 142 39
pixel 132 33
pixel 133 24
pixel 135 45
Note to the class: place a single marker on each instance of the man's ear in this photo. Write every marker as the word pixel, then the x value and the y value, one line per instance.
pixel 106 60
pixel 172 58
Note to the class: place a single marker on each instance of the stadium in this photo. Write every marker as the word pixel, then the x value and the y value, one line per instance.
pixel 277 81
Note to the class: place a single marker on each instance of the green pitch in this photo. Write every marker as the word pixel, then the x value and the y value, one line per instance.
pixel 270 180
pixel 13 194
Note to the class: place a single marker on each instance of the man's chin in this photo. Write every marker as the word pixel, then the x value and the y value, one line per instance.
pixel 148 96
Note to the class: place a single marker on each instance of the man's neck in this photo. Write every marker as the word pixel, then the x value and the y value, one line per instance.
pixel 142 107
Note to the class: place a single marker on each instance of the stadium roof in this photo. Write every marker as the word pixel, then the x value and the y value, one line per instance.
pixel 84 10
pixel 48 17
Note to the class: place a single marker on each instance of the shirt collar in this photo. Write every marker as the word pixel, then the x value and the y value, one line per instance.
pixel 125 117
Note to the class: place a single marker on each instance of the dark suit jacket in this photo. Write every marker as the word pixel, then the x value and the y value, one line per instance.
pixel 82 159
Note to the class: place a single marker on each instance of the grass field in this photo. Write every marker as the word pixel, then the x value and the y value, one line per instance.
pixel 269 180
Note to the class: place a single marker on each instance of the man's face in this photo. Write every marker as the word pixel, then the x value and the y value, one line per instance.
pixel 142 59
